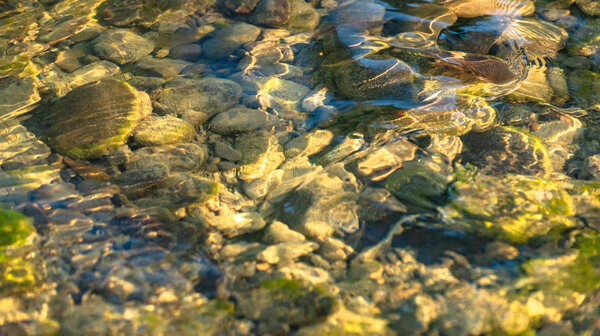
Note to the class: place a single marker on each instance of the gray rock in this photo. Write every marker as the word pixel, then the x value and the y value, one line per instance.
pixel 208 95
pixel 91 73
pixel 166 68
pixel 156 131
pixel 138 182
pixel 359 14
pixel 17 96
pixel 122 46
pixel 178 158
pixel 240 6
pixel 591 168
pixel 225 151
pixel 147 84
pixel 239 120
pixel 303 16
pixel 238 224
pixel 271 13
pixel 261 154
pixel 188 52
pixel 278 232
pixel 228 39
pixel 181 189
pixel 194 117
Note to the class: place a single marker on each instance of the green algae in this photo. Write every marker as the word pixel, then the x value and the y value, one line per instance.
pixel 16 273
pixel 14 228
pixel 515 208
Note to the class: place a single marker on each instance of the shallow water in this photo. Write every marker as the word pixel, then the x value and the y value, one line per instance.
pixel 274 167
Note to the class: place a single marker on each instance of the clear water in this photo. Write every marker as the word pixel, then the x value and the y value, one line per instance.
pixel 282 167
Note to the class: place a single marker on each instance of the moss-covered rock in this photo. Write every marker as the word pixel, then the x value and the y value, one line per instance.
pixel 283 301
pixel 584 86
pixel 421 184
pixel 93 119
pixel 514 207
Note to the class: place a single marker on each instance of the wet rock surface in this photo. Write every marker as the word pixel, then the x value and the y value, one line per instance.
pixel 275 167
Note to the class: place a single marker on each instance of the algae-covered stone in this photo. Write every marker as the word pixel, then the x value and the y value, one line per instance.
pixel 584 41
pixel 228 39
pixel 209 95
pixel 93 119
pixel 561 282
pixel 584 86
pixel 303 16
pixel 122 46
pixel 345 322
pixel 515 207
pixel 14 227
pixel 240 120
pixel 156 131
pixel 286 301
pixel 422 184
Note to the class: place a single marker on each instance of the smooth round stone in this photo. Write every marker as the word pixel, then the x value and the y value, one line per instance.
pixel 303 16
pixel 278 232
pixel 94 119
pixel 208 95
pixel 188 52
pixel 122 46
pixel 271 13
pixel 239 120
pixel 225 151
pixel 228 39
pixel 166 68
pixel 178 158
pixel 359 15
pixel 181 189
pixel 156 131
pixel 137 182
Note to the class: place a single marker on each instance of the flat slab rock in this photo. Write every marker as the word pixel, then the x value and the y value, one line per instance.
pixel 94 119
